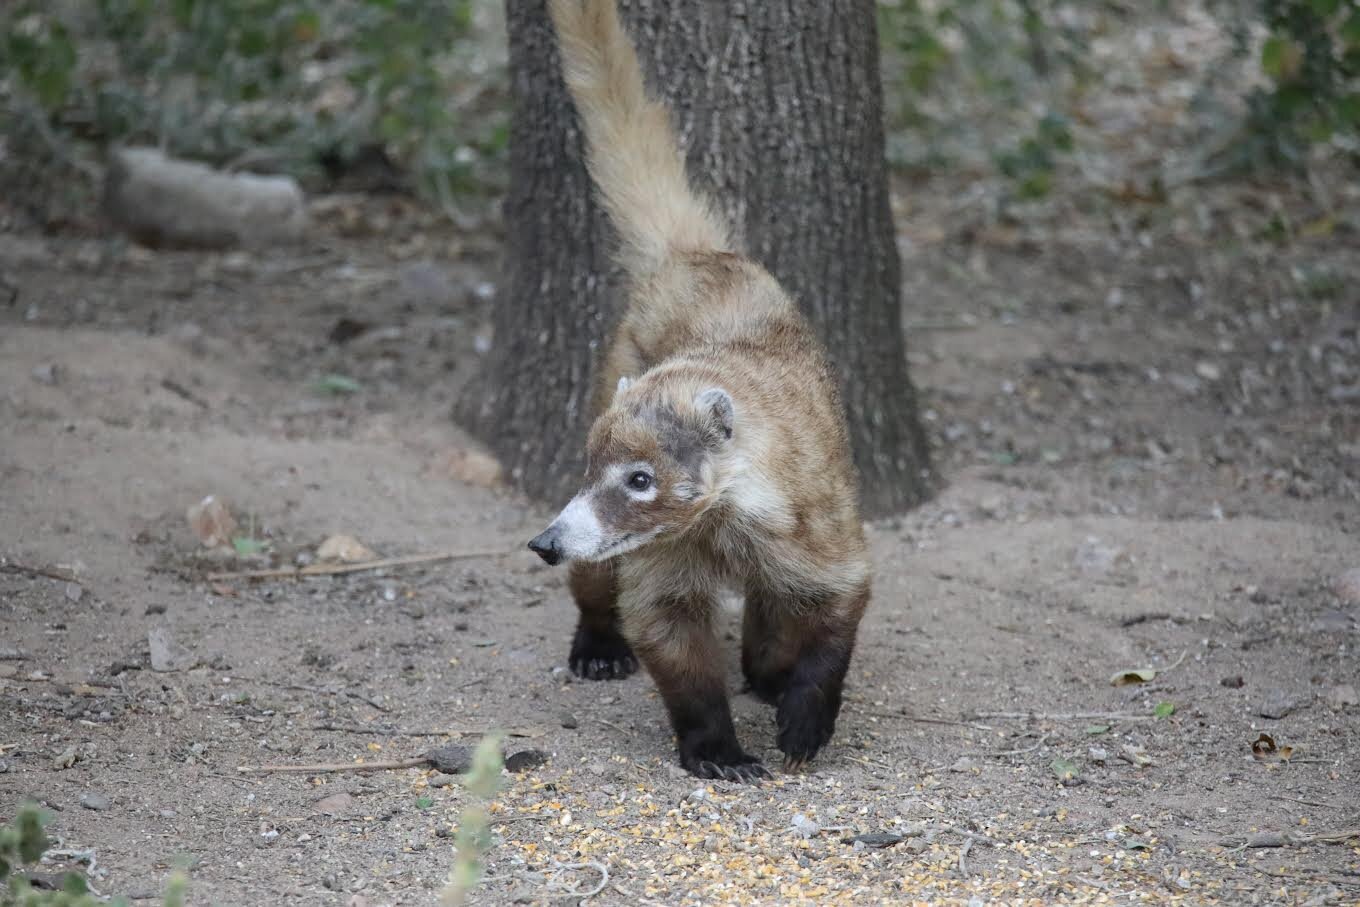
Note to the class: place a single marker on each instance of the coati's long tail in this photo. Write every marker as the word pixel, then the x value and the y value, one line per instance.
pixel 631 149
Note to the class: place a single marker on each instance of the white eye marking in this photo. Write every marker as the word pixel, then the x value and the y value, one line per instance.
pixel 637 479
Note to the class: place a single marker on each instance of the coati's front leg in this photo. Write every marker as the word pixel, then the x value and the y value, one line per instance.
pixel 677 643
pixel 598 650
pixel 795 654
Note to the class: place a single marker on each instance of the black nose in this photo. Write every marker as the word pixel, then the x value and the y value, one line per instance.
pixel 547 546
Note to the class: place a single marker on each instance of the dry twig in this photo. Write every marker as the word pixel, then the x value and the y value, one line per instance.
pixel 1067 716
pixel 1020 752
pixel 333 569
pixel 922 719
pixel 326 767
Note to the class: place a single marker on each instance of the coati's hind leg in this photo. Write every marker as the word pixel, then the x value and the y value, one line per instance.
pixel 598 650
pixel 795 654
pixel 677 643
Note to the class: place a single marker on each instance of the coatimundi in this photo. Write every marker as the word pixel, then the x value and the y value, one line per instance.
pixel 719 456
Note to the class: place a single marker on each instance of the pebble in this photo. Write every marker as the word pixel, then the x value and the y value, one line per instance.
pixel 1347 586
pixel 96 802
pixel 1277 704
pixel 75 592
pixel 569 721
pixel 439 779
pixel 526 760
pixel 451 759
pixel 46 374
pixel 166 655
pixel 1342 695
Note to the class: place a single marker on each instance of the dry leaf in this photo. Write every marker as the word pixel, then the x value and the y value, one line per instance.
pixel 212 521
pixel 344 548
pixel 1137 675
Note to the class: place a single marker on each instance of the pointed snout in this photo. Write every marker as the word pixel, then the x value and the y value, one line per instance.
pixel 548 545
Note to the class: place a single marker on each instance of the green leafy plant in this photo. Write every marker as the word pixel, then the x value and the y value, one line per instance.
pixel 473 838
pixel 304 87
pixel 1312 59
pixel 23 843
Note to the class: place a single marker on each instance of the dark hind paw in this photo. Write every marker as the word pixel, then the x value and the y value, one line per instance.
pixel 742 769
pixel 601 656
pixel 806 724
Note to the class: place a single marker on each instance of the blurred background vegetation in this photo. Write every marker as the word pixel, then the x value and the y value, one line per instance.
pixel 413 95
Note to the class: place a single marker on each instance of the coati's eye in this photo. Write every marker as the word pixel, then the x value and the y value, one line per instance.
pixel 639 481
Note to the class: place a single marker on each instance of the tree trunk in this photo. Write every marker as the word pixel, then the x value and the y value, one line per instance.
pixel 778 104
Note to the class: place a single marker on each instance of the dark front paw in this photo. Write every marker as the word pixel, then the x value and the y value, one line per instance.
pixel 806 723
pixel 739 767
pixel 601 656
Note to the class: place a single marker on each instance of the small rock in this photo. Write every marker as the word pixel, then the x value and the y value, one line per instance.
pixel 212 521
pixel 74 592
pixel 166 655
pixel 526 760
pixel 335 805
pixel 1277 704
pixel 1332 621
pixel 1342 695
pixel 1208 371
pixel 1098 755
pixel 875 839
pixel 439 779
pixel 161 201
pixel 451 759
pixel 1095 557
pixel 1233 683
pixel 4 766
pixel 46 374
pixel 344 548
pixel 963 764
pixel 569 721
pixel 96 802
pixel 472 467
pixel 154 608
pixel 1347 586
pixel 66 758
pixel 804 827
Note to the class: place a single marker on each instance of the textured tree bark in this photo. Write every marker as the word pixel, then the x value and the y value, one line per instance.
pixel 778 104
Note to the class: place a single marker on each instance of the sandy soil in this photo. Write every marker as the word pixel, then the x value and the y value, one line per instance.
pixel 1151 437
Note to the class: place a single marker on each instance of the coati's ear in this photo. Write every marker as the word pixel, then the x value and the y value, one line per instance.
pixel 716 404
pixel 624 381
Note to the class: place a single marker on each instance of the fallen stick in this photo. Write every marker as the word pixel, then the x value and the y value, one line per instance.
pixel 333 569
pixel 921 719
pixel 320 691
pixel 1067 716
pixel 325 767
pixel 37 571
pixel 383 731
pixel 1290 838
pixel 1306 802
pixel 963 857
pixel 1023 750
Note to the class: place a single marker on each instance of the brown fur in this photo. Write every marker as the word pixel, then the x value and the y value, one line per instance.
pixel 760 496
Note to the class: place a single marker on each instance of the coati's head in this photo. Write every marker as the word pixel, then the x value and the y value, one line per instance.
pixel 653 461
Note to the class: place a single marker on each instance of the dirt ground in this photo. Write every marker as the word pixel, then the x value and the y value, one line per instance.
pixel 1149 424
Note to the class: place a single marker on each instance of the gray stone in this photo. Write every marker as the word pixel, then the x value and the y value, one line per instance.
pixel 1277 704
pixel 96 802
pixel 161 201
